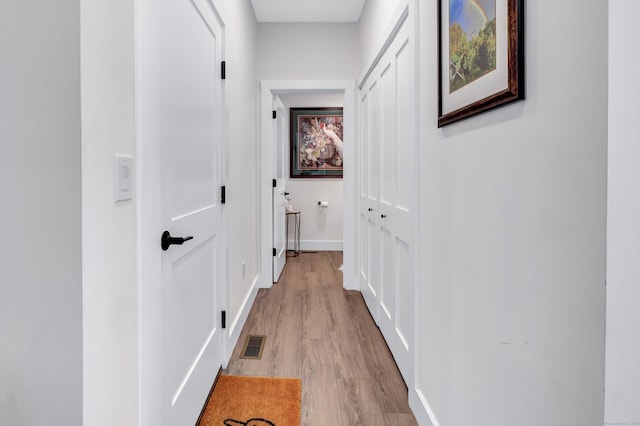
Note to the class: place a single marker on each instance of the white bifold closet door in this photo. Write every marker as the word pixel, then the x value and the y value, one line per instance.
pixel 388 179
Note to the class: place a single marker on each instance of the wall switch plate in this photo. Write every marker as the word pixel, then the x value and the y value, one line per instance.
pixel 124 177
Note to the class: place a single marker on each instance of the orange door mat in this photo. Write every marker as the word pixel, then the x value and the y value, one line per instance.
pixel 253 401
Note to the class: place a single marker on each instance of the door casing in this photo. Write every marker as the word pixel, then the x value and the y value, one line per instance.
pixel 269 88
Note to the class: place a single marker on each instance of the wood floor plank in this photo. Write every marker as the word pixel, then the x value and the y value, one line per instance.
pixel 286 350
pixel 346 347
pixel 391 387
pixel 359 404
pixel 292 285
pixel 306 262
pixel 262 320
pixel 323 334
pixel 315 318
pixel 400 420
pixel 320 404
pixel 327 265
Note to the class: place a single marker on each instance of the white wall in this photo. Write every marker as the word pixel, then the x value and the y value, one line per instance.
pixel 375 16
pixel 310 51
pixel 317 51
pixel 513 234
pixel 242 210
pixel 110 302
pixel 40 255
pixel 622 393
pixel 320 227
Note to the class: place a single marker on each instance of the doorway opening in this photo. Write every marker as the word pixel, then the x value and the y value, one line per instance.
pixel 292 93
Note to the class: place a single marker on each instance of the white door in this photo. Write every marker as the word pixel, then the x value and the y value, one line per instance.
pixel 388 209
pixel 279 190
pixel 180 93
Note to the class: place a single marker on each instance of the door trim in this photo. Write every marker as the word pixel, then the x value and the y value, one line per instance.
pixel 268 88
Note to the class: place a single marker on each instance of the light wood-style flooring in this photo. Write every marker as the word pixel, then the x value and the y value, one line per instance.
pixel 324 335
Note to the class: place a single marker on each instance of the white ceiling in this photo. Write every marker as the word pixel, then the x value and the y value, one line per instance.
pixel 308 10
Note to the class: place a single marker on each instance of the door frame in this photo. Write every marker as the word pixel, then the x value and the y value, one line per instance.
pixel 269 88
pixel 148 222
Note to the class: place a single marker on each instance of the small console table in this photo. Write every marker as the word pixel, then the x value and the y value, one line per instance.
pixel 295 217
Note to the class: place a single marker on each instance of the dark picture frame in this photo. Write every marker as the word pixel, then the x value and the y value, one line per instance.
pixel 483 70
pixel 316 139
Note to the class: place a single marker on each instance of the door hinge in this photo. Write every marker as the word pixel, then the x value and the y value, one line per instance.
pixel 275 115
pixel 223 194
pixel 224 319
pixel 223 70
pixel 275 252
pixel 274 183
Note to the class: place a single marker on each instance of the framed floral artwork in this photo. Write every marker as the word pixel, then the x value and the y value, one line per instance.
pixel 481 56
pixel 316 142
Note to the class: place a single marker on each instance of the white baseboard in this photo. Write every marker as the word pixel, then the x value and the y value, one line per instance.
pixel 310 245
pixel 238 322
pixel 421 409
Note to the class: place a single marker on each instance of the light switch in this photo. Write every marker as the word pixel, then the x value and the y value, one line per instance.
pixel 124 185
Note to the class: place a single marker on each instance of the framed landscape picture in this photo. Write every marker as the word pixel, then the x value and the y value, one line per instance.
pixel 481 56
pixel 316 142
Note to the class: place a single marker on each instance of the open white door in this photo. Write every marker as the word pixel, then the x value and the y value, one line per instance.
pixel 180 95
pixel 279 190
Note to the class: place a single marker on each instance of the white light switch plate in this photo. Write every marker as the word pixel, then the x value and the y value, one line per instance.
pixel 124 177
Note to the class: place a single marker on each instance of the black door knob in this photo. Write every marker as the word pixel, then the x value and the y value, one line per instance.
pixel 382 216
pixel 168 240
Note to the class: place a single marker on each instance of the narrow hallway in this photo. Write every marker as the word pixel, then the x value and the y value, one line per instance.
pixel 324 335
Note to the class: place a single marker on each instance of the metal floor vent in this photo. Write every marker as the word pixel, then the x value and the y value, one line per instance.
pixel 253 347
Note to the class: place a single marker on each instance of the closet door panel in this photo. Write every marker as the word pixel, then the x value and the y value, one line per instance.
pixel 368 201
pixel 389 145
pixel 406 113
